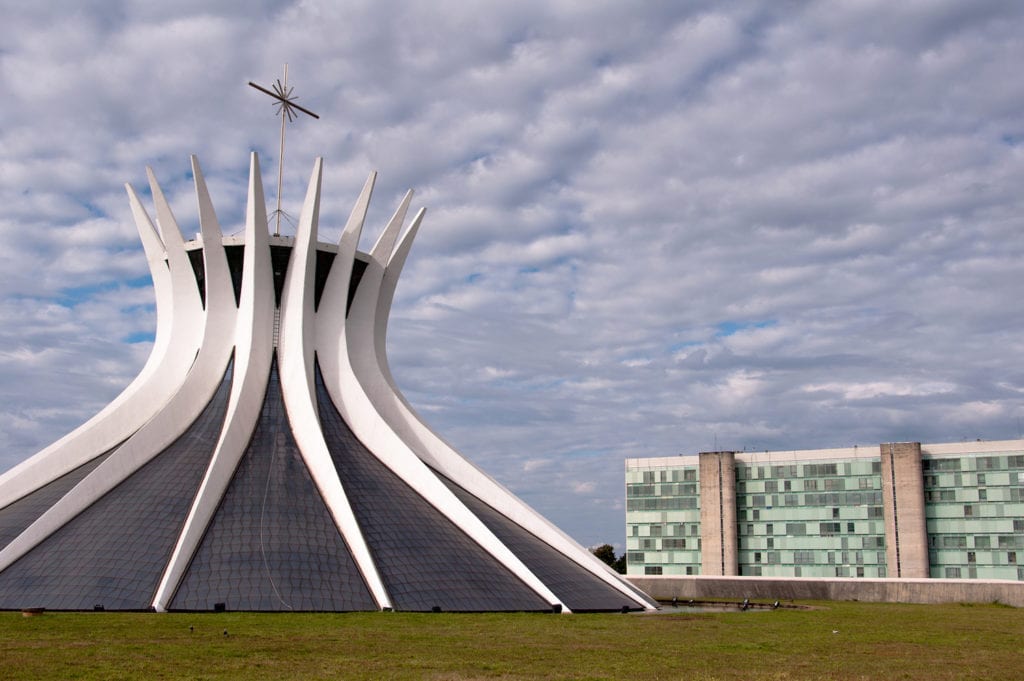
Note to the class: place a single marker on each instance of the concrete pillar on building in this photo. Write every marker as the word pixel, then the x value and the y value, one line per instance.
pixel 906 536
pixel 718 513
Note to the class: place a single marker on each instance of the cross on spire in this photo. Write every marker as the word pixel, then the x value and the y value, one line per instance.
pixel 287 109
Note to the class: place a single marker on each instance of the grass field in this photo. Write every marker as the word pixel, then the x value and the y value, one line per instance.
pixel 831 641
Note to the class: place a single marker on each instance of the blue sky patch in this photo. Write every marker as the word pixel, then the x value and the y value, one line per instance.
pixel 676 347
pixel 140 337
pixel 71 297
pixel 726 329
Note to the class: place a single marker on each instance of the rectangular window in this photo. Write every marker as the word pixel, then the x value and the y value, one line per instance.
pixel 803 557
pixel 635 490
pixel 1011 557
pixel 983 542
pixel 757 557
pixel 850 527
pixel 689 569
pixel 971 557
pixel 769 528
pixel 634 557
pixel 1018 526
pixel 835 512
pixel 810 485
pixel 981 478
pixel 1015 461
pixel 982 495
pixel 941 464
pixel 968 511
pixel 875 512
pixel 770 543
pixel 820 470
pixel 787 485
pixel 953 573
pixel 771 486
pixel 860 572
pixel 652 570
pixel 758 500
pixel 655 530
pixel 783 471
pixel 828 529
pixel 796 529
pixel 757 514
pixel 865 483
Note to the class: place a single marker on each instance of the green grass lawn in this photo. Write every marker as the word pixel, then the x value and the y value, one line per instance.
pixel 831 641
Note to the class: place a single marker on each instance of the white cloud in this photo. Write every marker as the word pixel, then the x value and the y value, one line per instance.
pixel 863 391
pixel 648 229
pixel 587 487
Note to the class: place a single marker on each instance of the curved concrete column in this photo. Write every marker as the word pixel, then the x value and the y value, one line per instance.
pixel 298 387
pixel 179 321
pixel 346 390
pixel 253 341
pixel 173 419
pixel 368 346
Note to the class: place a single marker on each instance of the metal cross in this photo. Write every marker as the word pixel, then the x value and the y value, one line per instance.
pixel 286 108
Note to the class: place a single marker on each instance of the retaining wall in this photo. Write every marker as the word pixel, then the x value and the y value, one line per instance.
pixel 665 588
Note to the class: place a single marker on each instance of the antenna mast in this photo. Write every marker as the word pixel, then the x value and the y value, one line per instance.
pixel 286 109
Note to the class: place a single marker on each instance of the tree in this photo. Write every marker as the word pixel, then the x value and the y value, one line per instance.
pixel 606 553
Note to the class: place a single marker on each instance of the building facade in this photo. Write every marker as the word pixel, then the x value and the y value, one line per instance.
pixel 265 459
pixel 953 510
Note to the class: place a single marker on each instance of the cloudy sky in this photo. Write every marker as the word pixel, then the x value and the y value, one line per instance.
pixel 652 228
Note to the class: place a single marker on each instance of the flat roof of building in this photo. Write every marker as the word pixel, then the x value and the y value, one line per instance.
pixel 939 450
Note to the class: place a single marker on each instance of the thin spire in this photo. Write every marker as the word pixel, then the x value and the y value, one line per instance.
pixel 287 109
